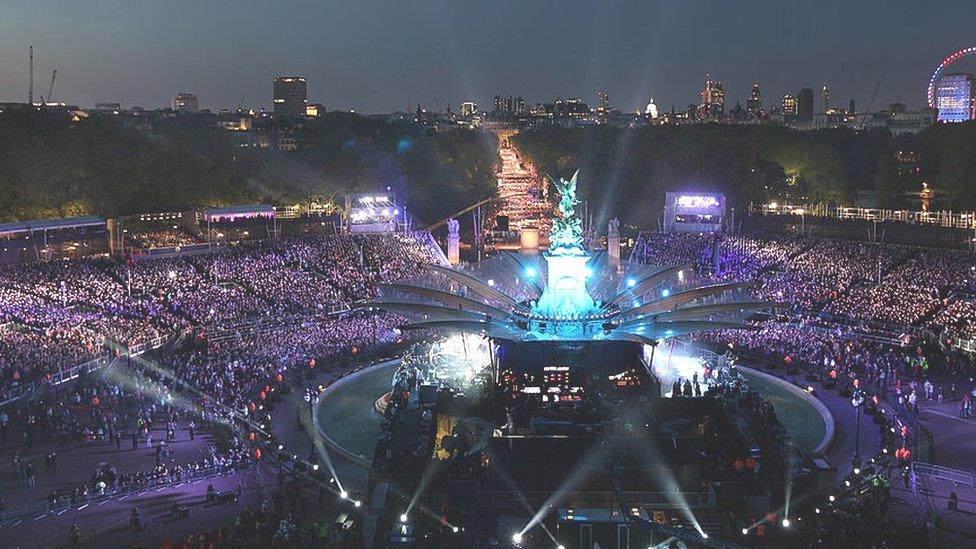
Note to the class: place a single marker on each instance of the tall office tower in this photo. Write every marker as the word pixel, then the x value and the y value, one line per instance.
pixel 509 104
pixel 754 103
pixel 519 106
pixel 825 97
pixel 955 97
pixel 468 108
pixel 712 100
pixel 290 96
pixel 788 105
pixel 851 111
pixel 186 102
pixel 804 102
pixel 498 104
pixel 604 100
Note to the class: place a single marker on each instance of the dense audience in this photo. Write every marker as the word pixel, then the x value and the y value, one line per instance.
pixel 152 239
pixel 254 312
pixel 888 286
pixel 59 314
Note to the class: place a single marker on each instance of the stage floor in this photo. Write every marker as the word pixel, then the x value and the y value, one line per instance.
pixel 347 416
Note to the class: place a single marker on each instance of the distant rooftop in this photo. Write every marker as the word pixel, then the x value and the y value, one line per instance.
pixel 14 227
pixel 239 212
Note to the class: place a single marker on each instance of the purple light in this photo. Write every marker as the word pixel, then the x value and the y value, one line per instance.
pixel 697 201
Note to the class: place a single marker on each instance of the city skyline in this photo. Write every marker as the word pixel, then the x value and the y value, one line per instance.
pixel 380 57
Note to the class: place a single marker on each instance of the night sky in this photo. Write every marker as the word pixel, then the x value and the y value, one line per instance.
pixel 377 56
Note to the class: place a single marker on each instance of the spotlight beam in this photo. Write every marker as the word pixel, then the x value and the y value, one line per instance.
pixel 579 474
pixel 697 539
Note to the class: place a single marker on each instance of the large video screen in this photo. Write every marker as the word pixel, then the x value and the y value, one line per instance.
pixel 694 212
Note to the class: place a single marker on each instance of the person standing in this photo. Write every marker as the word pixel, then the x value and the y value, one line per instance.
pixel 30 474
pixel 191 427
pixel 4 421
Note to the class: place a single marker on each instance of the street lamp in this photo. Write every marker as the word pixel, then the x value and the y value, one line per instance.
pixel 857 399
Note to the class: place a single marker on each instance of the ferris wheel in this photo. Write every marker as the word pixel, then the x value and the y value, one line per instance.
pixel 948 60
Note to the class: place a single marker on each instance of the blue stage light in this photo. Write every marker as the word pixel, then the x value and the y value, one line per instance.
pixel 530 272
pixel 665 292
pixel 631 282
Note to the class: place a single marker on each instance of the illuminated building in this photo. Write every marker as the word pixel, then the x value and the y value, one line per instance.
pixel 955 97
pixel 754 103
pixel 604 100
pixel 504 104
pixel 519 105
pixel 712 100
pixel 565 112
pixel 290 96
pixel 314 110
pixel 825 97
pixel 651 109
pixel 937 73
pixel 469 108
pixel 788 105
pixel 804 102
pixel 186 102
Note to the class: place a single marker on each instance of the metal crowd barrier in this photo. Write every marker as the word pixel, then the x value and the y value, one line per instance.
pixel 955 476
pixel 66 503
pixel 68 374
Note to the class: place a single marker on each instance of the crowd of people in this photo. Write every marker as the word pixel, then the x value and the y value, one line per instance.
pixel 254 312
pixel 225 364
pixel 59 314
pixel 162 238
pixel 890 286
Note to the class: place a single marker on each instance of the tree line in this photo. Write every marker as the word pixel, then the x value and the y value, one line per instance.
pixel 51 166
pixel 625 172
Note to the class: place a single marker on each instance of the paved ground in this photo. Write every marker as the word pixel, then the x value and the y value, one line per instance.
pixel 953 445
pixel 77 463
pixel 107 524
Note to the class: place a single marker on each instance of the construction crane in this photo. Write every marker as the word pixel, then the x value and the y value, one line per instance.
pixel 50 88
pixel 460 212
pixel 875 92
